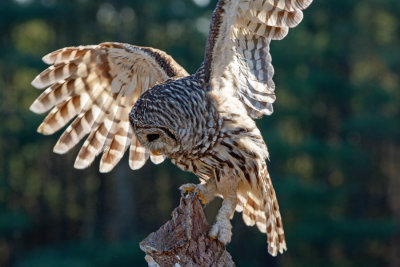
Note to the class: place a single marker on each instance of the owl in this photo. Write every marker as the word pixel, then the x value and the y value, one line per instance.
pixel 138 98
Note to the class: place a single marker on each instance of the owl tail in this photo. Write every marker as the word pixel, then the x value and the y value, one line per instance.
pixel 260 206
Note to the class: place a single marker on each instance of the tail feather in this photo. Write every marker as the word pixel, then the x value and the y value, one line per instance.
pixel 275 233
pixel 260 207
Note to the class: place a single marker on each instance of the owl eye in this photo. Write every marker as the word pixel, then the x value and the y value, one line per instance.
pixel 152 137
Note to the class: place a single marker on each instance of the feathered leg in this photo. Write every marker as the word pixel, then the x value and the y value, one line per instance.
pixel 226 187
pixel 222 229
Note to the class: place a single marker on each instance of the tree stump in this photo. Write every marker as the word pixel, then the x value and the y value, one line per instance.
pixel 184 240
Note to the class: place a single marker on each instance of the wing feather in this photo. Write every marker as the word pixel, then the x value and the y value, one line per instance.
pixel 68 54
pixel 237 60
pixel 137 154
pixel 98 85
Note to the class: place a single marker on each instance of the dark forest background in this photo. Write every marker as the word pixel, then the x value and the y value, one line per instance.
pixel 334 138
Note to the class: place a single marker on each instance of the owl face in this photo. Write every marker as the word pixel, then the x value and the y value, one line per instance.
pixel 158 139
pixel 152 127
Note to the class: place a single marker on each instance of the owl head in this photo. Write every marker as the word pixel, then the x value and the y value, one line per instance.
pixel 156 121
pixel 171 118
pixel 160 140
pixel 152 129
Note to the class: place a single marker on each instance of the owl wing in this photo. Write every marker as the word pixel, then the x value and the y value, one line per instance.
pixel 237 60
pixel 98 85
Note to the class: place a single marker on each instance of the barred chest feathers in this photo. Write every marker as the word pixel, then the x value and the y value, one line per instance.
pixel 238 146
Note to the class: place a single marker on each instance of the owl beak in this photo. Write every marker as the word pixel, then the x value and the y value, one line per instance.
pixel 156 152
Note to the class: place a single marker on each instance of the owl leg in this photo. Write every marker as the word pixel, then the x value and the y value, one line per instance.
pixel 205 191
pixel 222 229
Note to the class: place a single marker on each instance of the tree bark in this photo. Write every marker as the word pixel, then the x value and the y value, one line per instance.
pixel 184 240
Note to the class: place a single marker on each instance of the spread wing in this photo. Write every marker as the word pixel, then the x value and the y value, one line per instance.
pixel 98 85
pixel 237 60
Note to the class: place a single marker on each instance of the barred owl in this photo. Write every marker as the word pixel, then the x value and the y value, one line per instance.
pixel 137 98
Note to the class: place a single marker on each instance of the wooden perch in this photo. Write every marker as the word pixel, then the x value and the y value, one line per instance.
pixel 184 240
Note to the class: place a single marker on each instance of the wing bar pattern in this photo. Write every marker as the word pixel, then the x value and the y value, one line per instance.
pixel 98 85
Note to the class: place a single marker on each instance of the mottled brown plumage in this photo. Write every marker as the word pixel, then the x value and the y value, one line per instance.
pixel 98 85
pixel 203 122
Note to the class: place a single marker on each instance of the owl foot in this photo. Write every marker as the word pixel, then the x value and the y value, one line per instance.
pixel 199 191
pixel 222 230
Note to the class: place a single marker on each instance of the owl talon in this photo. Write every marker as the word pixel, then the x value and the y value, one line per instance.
pixel 222 230
pixel 203 199
pixel 187 188
pixel 197 192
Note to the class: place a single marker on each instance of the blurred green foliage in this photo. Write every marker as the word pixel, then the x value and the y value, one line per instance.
pixel 334 138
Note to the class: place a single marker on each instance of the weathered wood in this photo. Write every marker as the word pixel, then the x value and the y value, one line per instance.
pixel 184 240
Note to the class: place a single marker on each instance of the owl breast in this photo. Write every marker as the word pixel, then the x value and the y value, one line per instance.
pixel 238 147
